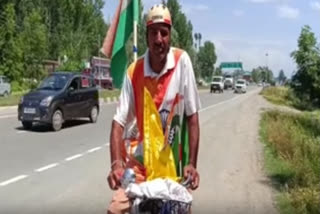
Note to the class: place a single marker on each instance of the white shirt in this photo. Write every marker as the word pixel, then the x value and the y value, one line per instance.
pixel 182 82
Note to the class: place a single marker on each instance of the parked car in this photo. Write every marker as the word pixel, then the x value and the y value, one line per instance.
pixel 5 86
pixel 241 86
pixel 217 84
pixel 61 96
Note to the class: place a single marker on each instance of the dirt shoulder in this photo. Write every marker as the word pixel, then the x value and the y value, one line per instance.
pixel 231 160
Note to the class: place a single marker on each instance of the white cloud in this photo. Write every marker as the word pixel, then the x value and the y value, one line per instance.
pixel 285 11
pixel 238 12
pixel 315 5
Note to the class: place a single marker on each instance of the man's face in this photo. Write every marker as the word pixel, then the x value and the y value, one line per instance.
pixel 158 39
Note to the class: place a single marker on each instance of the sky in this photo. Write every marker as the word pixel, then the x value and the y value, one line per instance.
pixel 255 32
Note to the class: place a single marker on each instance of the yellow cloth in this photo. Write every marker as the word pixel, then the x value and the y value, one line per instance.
pixel 158 161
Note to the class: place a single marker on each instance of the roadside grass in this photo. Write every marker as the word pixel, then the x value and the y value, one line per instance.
pixel 203 87
pixel 14 98
pixel 109 93
pixel 292 159
pixel 285 96
pixel 277 95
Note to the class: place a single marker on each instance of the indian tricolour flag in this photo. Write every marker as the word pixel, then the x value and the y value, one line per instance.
pixel 114 46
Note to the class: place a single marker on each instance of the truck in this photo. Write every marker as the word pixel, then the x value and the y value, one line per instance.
pixel 217 84
pixel 228 81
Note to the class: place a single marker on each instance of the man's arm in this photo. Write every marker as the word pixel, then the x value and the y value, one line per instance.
pixel 115 145
pixel 194 133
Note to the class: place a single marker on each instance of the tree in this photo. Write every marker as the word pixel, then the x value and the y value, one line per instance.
pixel 282 77
pixel 306 81
pixel 181 25
pixel 206 59
pixel 256 75
pixel 262 74
pixel 11 63
pixel 35 46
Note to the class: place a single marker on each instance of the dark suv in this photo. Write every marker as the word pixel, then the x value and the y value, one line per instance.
pixel 60 97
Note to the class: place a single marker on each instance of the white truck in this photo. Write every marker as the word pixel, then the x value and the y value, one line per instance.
pixel 228 82
pixel 5 87
pixel 217 84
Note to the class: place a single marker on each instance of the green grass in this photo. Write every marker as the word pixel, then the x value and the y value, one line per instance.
pixel 277 95
pixel 109 93
pixel 11 100
pixel 292 159
pixel 203 87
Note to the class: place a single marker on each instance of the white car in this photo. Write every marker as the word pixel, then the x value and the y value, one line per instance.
pixel 241 86
pixel 5 87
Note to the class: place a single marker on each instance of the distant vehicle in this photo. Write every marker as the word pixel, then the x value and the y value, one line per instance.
pixel 99 68
pixel 5 86
pixel 240 86
pixel 60 97
pixel 228 82
pixel 217 84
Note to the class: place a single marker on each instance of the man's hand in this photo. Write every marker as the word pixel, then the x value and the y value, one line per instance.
pixel 189 170
pixel 114 177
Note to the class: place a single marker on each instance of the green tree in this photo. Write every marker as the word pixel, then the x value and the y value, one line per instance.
pixel 10 55
pixel 256 75
pixel 281 77
pixel 206 59
pixel 35 46
pixel 306 81
pixel 262 74
pixel 181 25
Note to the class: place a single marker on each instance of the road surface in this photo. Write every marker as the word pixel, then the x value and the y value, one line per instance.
pixel 65 172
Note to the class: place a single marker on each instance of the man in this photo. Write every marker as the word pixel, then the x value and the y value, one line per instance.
pixel 168 75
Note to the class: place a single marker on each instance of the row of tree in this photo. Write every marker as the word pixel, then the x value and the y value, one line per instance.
pixel 35 30
pixel 71 32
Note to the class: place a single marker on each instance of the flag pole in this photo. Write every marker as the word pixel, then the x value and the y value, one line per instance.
pixel 135 38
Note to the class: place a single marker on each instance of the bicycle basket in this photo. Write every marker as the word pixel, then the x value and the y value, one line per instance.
pixel 159 206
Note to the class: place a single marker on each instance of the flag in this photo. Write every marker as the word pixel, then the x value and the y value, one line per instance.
pixel 159 162
pixel 114 45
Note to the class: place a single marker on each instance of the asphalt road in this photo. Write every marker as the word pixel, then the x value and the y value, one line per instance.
pixel 65 172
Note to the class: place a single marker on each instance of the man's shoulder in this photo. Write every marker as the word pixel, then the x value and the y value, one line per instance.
pixel 177 50
pixel 136 65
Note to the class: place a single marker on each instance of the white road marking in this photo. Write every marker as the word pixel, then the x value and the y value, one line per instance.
pixel 12 180
pixel 107 144
pixel 94 149
pixel 74 157
pixel 46 167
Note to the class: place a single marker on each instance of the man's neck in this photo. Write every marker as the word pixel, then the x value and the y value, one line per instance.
pixel 156 65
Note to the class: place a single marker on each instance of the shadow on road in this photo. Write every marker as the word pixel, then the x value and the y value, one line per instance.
pixel 43 128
